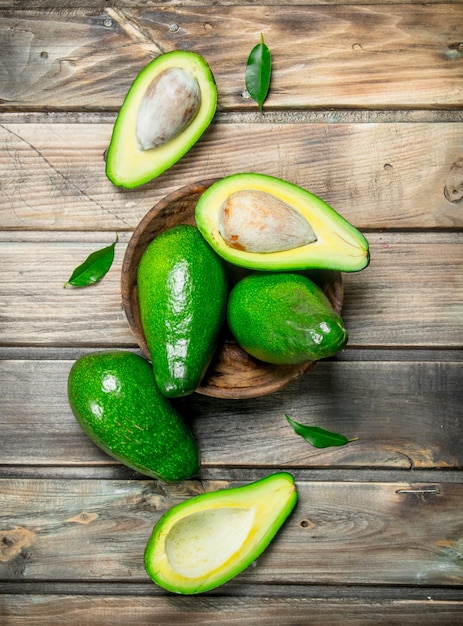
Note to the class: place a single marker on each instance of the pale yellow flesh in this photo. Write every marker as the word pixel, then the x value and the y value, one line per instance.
pixel 198 545
pixel 207 541
pixel 337 244
pixel 129 165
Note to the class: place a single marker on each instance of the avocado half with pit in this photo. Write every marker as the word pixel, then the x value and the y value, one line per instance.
pixel 265 223
pixel 167 108
pixel 207 540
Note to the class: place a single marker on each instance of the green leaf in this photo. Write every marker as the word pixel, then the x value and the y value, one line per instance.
pixel 95 266
pixel 318 437
pixel 258 72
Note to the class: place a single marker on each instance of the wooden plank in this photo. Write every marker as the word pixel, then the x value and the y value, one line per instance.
pixel 47 5
pixel 339 533
pixel 409 296
pixel 404 55
pixel 406 415
pixel 172 611
pixel 377 175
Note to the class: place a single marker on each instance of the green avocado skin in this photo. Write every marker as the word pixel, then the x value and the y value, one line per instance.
pixel 284 318
pixel 115 400
pixel 182 294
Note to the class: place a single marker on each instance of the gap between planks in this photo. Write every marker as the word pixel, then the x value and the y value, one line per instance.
pixel 332 115
pixel 418 481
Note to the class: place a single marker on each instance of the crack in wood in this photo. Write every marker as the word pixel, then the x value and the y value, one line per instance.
pixel 66 179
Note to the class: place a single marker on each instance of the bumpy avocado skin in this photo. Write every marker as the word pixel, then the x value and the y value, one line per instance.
pixel 182 293
pixel 284 318
pixel 116 402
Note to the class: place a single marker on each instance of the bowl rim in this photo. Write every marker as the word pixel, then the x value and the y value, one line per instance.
pixel 140 239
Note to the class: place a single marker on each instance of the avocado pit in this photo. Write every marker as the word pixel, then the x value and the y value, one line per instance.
pixel 168 106
pixel 256 221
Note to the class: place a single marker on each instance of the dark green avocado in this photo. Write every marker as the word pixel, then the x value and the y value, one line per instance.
pixel 116 402
pixel 168 107
pixel 182 295
pixel 284 318
pixel 265 223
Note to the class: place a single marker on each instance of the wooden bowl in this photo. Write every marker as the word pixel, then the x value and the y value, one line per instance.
pixel 232 373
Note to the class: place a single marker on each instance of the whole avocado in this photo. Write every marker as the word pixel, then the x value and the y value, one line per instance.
pixel 284 318
pixel 115 400
pixel 182 295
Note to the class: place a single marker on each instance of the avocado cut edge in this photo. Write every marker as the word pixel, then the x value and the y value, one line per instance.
pixel 338 244
pixel 209 539
pixel 126 164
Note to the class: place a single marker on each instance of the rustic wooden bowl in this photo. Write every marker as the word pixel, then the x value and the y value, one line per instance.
pixel 232 373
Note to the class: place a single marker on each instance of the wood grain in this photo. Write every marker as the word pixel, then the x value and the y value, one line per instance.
pixel 404 55
pixel 378 175
pixel 382 307
pixel 85 610
pixel 365 110
pixel 406 415
pixel 349 533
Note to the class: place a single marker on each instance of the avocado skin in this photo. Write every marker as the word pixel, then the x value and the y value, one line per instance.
pixel 182 293
pixel 129 167
pixel 284 318
pixel 271 498
pixel 338 246
pixel 116 402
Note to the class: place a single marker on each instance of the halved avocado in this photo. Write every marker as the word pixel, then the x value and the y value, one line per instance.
pixel 167 108
pixel 207 540
pixel 261 222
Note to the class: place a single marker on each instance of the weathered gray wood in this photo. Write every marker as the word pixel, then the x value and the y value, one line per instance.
pixel 339 533
pixel 365 110
pixel 406 415
pixel 377 175
pixel 409 296
pixel 404 55
pixel 265 611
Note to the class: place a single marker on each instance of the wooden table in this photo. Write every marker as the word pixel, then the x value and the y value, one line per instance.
pixel 365 110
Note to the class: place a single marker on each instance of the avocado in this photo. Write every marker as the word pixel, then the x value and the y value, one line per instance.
pixel 167 108
pixel 264 223
pixel 182 295
pixel 116 402
pixel 284 318
pixel 207 540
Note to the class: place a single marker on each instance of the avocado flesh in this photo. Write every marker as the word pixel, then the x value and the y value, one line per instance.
pixel 182 295
pixel 284 319
pixel 207 540
pixel 128 164
pixel 336 245
pixel 114 399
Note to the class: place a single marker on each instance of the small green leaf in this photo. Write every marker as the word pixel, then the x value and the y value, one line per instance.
pixel 318 437
pixel 258 72
pixel 95 266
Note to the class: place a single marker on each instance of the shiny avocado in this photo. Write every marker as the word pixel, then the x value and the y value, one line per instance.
pixel 209 539
pixel 167 108
pixel 115 400
pixel 284 318
pixel 182 296
pixel 264 223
